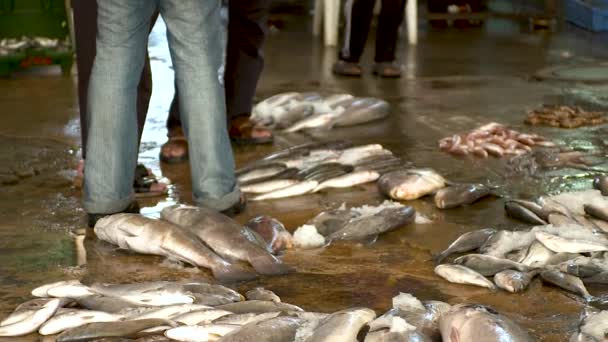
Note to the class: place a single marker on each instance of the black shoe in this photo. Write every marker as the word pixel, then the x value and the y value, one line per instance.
pixel 237 208
pixel 133 208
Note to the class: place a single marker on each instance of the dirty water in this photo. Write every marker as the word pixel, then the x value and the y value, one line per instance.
pixel 440 96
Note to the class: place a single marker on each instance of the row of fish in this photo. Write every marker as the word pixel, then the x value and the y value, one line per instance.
pixel 166 311
pixel 492 139
pixel 564 117
pixel 293 111
pixel 314 167
pixel 566 256
pixel 197 236
pixel 12 45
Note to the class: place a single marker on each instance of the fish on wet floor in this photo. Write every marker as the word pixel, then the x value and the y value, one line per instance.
pixel 514 281
pixel 268 186
pixel 260 293
pixel 297 189
pixel 596 211
pixel 60 289
pixel 104 303
pixel 460 194
pixel 328 222
pixel 262 171
pixel 159 293
pixel 362 111
pixel 201 333
pixel 227 238
pixel 488 265
pixel 200 316
pixel 566 281
pixel 349 180
pixel 149 236
pixel 537 255
pixel 521 210
pixel 505 241
pixel 466 242
pixel 92 331
pixel 371 226
pixel 258 306
pixel 594 327
pixel 410 184
pixel 601 184
pixel 246 318
pixel 473 322
pixel 28 319
pixel 278 329
pixel 560 244
pixel 272 232
pixel 583 267
pixel 75 318
pixel 342 325
pixel 462 275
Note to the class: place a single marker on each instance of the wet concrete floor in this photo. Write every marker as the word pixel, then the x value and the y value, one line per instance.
pixel 454 80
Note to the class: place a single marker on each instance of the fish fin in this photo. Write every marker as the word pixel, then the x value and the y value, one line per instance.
pixel 266 264
pixel 233 272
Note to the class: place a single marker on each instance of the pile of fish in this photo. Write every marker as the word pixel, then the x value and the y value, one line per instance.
pixel 294 111
pixel 191 311
pixel 357 223
pixel 12 45
pixel 564 117
pixel 197 236
pixel 494 140
pixel 314 167
pixel 567 256
pixel 414 183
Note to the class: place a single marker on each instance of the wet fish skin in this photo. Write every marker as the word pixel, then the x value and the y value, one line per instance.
pixel 472 322
pixel 566 281
pixel 273 233
pixel 42 291
pixel 537 255
pixel 533 207
pixel 257 306
pixel 260 293
pixel 103 303
pixel 514 281
pixel 466 242
pixel 342 325
pixel 328 222
pixel 278 329
pixel 93 331
pixel 600 278
pixel 505 241
pixel 462 275
pixel 148 294
pixel 33 321
pixel 582 267
pixel 349 180
pixel 596 211
pixel 488 265
pixel 198 316
pixel 268 186
pixel 371 226
pixel 262 172
pixel 560 244
pixel 200 333
pixel 459 195
pixel 520 212
pixel 246 318
pixel 293 114
pixel 315 121
pixel 410 184
pixel 211 289
pixel 363 112
pixel 300 188
pixel 75 318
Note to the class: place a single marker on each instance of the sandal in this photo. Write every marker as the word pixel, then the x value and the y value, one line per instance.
pixel 175 150
pixel 344 68
pixel 244 131
pixel 387 70
pixel 145 183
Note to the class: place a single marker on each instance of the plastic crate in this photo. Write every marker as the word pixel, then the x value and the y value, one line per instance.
pixel 589 14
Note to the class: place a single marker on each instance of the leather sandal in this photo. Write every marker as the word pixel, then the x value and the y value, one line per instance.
pixel 344 68
pixel 177 142
pixel 387 70
pixel 243 131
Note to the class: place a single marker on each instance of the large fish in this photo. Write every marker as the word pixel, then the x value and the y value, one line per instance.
pixel 278 329
pixel 316 121
pixel 363 111
pixel 349 180
pixel 43 291
pixel 258 306
pixel 160 293
pixel 264 111
pixel 342 325
pixel 460 194
pixel 470 322
pixel 104 303
pixel 567 282
pixel 288 116
pixel 466 242
pixel 560 244
pixel 462 275
pixel 505 241
pixel 28 319
pixel 149 236
pixel 488 265
pixel 200 316
pixel 371 226
pixel 328 222
pixel 410 184
pixel 268 186
pixel 75 318
pixel 94 331
pixel 517 210
pixel 246 318
pixel 226 237
pixel 273 233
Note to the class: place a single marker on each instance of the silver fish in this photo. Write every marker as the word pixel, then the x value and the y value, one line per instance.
pixel 459 195
pixel 537 255
pixel 471 322
pixel 246 318
pixel 342 325
pixel 278 329
pixel 273 233
pixel 466 242
pixel 462 275
pixel 328 222
pixel 371 226
pixel 42 291
pixel 410 184
pixel 260 293
pixel 257 306
pixel 349 180
pixel 103 303
pixel 198 316
pixel 30 322
pixel 297 112
pixel 514 281
pixel 268 186
pixel 363 111
pixel 488 265
pixel 297 189
pixel 159 293
pixel 560 244
pixel 75 318
pixel 505 241
pixel 582 267
pixel 201 332
pixel 566 281
pixel 93 331
pixel 315 121
pixel 517 210
pixel 262 172
pixel 596 325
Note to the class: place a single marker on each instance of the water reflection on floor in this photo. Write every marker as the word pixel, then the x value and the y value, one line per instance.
pixel 455 81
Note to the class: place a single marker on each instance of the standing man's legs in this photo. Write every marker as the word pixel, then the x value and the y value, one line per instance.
pixel 194 31
pixel 122 35
pixel 389 20
pixel 358 16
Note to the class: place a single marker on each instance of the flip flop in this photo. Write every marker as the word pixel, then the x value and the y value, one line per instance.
pixel 344 68
pixel 241 130
pixel 178 141
pixel 387 70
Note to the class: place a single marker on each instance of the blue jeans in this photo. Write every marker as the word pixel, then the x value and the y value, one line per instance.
pixel 194 36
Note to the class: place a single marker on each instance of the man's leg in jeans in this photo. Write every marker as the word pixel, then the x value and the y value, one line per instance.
pixel 358 16
pixel 122 34
pixel 194 35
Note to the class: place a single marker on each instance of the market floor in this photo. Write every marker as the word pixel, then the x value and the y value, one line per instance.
pixel 454 80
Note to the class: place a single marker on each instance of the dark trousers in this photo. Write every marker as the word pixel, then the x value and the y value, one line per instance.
pixel 85 27
pixel 358 14
pixel 244 58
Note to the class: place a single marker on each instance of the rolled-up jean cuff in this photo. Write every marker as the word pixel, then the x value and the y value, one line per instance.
pixel 109 207
pixel 221 203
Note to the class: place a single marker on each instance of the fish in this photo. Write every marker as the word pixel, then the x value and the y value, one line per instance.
pixel 228 295
pixel 537 255
pixel 287 117
pixel 566 281
pixel 257 306
pixel 328 222
pixel 488 265
pixel 227 238
pixel 25 321
pixel 582 267
pixel 42 291
pixel 338 100
pixel 198 316
pixel 103 303
pixel 479 323
pixel 342 325
pixel 72 290
pixel 246 318
pixel 160 293
pixel 466 242
pixel 348 180
pixel 273 233
pixel 595 325
pixel 149 236
pixel 363 111
pixel 463 275
pixel 387 327
pixel 93 331
pixel 300 188
pixel 601 183
pixel 410 184
pixel 268 186
pixel 261 172
pixel 505 241
pixel 518 211
pixel 260 293
pixel 371 226
pixel 75 318
pixel 559 220
pixel 263 111
pixel 459 195
pixel 163 312
pixel 200 333
pixel 596 211
pixel 514 281
pixel 278 329
pixel 315 121
pixel 560 244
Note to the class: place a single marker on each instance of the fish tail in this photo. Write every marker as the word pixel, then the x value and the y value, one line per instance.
pixel 233 272
pixel 267 264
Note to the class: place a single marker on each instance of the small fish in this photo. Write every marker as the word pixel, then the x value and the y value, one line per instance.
pixel 466 242
pixel 462 275
pixel 273 233
pixel 566 281
pixel 93 331
pixel 410 184
pixel 560 244
pixel 260 293
pixel 257 306
pixel 342 325
pixel 514 281
pixel 164 312
pixel 349 180
pixel 246 318
pixel 42 291
pixel 103 303
pixel 518 211
pixel 488 265
pixel 300 188
pixel 268 186
pixel 30 322
pixel 262 172
pixel 75 318
pixel 371 226
pixel 198 316
pixel 461 194
pixel 200 333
